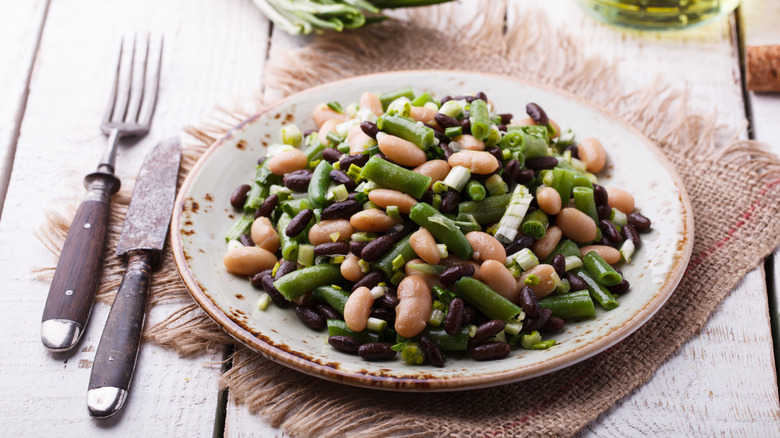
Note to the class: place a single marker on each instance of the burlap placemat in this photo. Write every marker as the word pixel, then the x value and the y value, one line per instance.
pixel 734 190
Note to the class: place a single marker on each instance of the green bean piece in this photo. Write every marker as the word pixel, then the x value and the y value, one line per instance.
pixel 422 99
pixel 264 176
pixel 457 342
pixel 453 132
pixel 288 245
pixel 294 206
pixel 314 152
pixel 255 197
pixel 297 283
pixel 536 141
pixel 563 181
pixel 335 297
pixel 337 327
pixel 480 119
pixel 390 96
pixel 239 228
pixel 582 181
pixel 574 305
pixel 596 290
pixel 475 190
pixel 583 200
pixel 385 263
pixel 600 269
pixel 395 177
pixel 486 211
pixel 489 302
pixel 442 228
pixel 535 224
pixel 443 295
pixel 318 187
pixel 566 247
pixel 407 129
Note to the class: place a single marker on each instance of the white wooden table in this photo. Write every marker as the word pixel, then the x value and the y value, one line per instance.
pixel 55 65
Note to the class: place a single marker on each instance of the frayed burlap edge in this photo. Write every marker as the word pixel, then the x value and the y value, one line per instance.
pixel 731 189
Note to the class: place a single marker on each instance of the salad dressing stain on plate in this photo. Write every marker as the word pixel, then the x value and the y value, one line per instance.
pixel 634 163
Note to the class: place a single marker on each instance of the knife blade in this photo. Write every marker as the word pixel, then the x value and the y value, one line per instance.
pixel 141 242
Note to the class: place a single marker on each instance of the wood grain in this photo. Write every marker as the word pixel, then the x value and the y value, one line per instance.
pixel 215 50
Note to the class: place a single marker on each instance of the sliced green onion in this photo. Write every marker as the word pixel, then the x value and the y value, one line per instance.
pixel 363 236
pixel 397 277
pixel 543 345
pixel 263 301
pixel 340 192
pixel 451 108
pixel 392 211
pixel 442 250
pixel 398 262
pixel 241 227
pixel 401 106
pixel 412 353
pixel 618 218
pixel 529 339
pixel 496 185
pixel 292 135
pixel 532 280
pixel 364 266
pixel 439 187
pixel 428 269
pixel 525 258
pixel 627 250
pixel 572 262
pixel 376 324
pixel 513 217
pixel 378 291
pixel 458 178
pixel 437 316
pixel 335 106
pixel 306 255
pixel 233 244
pixel 453 132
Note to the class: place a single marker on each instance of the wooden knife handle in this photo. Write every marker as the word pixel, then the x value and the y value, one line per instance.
pixel 118 348
pixel 75 281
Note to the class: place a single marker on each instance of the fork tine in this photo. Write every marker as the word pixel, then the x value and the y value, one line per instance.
pixel 112 100
pixel 151 102
pixel 138 87
pixel 126 87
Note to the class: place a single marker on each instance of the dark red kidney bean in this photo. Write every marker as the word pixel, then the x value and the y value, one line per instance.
pixel 465 126
pixel 620 288
pixel 575 151
pixel 331 155
pixel 606 241
pixel 261 160
pixel 267 207
pixel 536 113
pixel 427 197
pixel 388 301
pixel 553 324
pixel 511 169
pixel 443 139
pixel 358 160
pixel 376 351
pixel 496 152
pixel 600 194
pixel 528 301
pixel 470 314
pixel 506 118
pixel 610 231
pixel 524 176
pixel 490 350
pixel 344 344
pixel 445 99
pixel 541 163
pixel 446 121
pixel 449 202
pixel 488 330
pixel 456 272
pixel 447 151
pixel 276 296
pixel 286 267
pixel 575 282
pixel 257 279
pixel 520 243
pixel 238 198
pixel 432 351
pixel 340 177
pixel 356 247
pixel 377 248
pixel 370 129
pixel 246 240
pixel 325 310
pixel 298 180
pixel 454 318
pixel 331 248
pixel 558 262
pixel 310 318
pixel 535 322
pixel 383 314
pixel 604 211
pixel 341 210
pixel 639 221
pixel 630 233
pixel 299 223
pixel 370 280
pixel 468 99
pixel 481 95
pixel 501 127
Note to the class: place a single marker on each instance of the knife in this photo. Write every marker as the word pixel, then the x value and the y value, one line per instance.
pixel 141 242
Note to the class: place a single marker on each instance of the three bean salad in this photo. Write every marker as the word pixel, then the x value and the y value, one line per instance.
pixel 406 223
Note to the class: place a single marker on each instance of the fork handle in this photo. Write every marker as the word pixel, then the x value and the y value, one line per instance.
pixel 75 281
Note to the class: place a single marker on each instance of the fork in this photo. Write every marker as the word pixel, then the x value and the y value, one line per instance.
pixel 72 291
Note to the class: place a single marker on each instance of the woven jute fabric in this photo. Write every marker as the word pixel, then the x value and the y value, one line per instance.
pixel 734 188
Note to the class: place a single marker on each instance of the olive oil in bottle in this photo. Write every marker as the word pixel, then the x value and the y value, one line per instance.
pixel 659 14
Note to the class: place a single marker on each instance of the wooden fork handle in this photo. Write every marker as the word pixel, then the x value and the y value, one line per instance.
pixel 75 281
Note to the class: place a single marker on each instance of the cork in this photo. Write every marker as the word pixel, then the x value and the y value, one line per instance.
pixel 763 68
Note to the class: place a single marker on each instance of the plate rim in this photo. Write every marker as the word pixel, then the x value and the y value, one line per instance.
pixel 332 373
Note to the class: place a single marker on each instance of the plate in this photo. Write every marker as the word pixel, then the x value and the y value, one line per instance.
pixel 203 215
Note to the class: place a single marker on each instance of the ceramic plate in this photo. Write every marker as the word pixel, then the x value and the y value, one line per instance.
pixel 203 215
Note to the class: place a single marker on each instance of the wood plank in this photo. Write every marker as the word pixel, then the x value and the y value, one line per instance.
pixel 22 25
pixel 722 373
pixel 215 52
